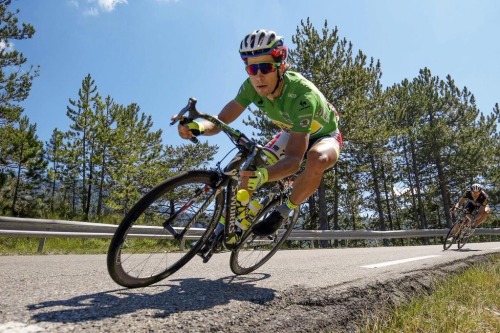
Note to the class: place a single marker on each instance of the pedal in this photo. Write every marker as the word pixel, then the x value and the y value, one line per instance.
pixel 206 257
pixel 210 247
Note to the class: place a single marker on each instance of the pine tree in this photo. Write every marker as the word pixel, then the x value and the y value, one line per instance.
pixel 134 156
pixel 15 80
pixel 54 156
pixel 106 117
pixel 26 160
pixel 350 82
pixel 82 113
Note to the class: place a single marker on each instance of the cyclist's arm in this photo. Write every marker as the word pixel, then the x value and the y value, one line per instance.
pixel 460 202
pixel 294 152
pixel 228 114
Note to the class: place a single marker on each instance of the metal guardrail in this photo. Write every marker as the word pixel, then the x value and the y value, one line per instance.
pixel 13 226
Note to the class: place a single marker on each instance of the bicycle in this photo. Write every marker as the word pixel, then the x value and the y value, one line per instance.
pixel 464 231
pixel 174 221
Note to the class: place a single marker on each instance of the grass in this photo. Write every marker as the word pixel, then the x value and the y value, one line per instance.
pixel 469 302
pixel 29 246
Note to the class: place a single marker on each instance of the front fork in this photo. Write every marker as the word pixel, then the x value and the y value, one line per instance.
pixel 167 224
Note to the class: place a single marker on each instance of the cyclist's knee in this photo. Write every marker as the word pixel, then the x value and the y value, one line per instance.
pixel 319 161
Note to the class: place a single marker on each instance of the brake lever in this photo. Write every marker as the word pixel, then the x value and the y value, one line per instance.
pixel 183 120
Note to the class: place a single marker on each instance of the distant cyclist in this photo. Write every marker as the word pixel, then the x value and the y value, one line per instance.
pixel 475 197
pixel 308 120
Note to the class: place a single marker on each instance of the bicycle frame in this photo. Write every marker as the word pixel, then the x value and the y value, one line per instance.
pixel 205 196
pixel 461 229
pixel 229 180
pixel 466 216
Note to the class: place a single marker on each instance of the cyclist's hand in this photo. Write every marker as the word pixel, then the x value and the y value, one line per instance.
pixel 188 130
pixel 256 178
pixel 196 128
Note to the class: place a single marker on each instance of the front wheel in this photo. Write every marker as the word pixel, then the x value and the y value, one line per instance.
pixel 142 251
pixel 464 237
pixel 255 251
pixel 451 237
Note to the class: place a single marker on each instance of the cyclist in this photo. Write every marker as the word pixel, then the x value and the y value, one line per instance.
pixel 309 123
pixel 476 197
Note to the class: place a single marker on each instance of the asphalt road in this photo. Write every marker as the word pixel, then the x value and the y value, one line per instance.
pixel 73 293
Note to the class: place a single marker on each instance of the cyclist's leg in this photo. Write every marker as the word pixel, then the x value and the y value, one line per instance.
pixel 481 216
pixel 321 155
pixel 469 207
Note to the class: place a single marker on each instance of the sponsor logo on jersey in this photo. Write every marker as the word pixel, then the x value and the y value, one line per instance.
pixel 305 123
pixel 304 105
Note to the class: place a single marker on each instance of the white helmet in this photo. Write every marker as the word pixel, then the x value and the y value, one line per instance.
pixel 476 187
pixel 261 42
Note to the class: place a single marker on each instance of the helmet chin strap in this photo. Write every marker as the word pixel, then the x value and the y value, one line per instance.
pixel 280 78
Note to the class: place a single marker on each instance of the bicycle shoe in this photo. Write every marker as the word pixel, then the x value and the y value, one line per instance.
pixel 269 225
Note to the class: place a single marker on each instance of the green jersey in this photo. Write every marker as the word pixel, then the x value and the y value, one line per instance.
pixel 301 107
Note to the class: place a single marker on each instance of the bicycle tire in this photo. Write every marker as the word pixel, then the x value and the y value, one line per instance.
pixel 463 239
pixel 136 260
pixel 466 232
pixel 253 251
pixel 450 239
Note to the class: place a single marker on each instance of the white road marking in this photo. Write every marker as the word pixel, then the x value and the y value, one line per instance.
pixel 396 262
pixel 496 248
pixel 17 327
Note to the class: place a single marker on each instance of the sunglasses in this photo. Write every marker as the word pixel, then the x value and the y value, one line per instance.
pixel 265 68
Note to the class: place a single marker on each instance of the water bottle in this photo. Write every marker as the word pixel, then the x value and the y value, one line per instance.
pixel 242 199
pixel 253 208
pixel 220 226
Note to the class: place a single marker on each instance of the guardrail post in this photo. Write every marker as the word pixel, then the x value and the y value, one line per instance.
pixel 41 244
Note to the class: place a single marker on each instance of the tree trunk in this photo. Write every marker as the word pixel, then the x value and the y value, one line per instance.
pixel 378 197
pixel 420 207
pixel 323 214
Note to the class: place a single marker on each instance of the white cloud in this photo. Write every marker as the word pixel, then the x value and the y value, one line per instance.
pixel 9 47
pixel 109 5
pixel 92 11
pixel 95 7
pixel 73 3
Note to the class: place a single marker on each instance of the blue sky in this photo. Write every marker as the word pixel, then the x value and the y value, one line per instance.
pixel 158 53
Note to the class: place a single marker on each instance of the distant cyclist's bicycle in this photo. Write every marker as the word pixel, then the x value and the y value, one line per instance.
pixel 461 229
pixel 176 220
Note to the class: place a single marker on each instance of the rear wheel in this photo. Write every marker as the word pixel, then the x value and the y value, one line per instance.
pixel 255 251
pixel 142 251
